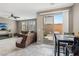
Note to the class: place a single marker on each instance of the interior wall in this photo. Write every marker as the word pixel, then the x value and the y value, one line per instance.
pixel 66 21
pixel 40 28
pixel 71 20
pixel 11 24
pixel 76 17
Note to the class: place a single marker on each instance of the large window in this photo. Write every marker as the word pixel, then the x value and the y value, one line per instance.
pixel 23 23
pixel 58 18
pixel 29 25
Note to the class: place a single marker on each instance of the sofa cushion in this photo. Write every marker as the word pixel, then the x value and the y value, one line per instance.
pixel 29 38
pixel 19 40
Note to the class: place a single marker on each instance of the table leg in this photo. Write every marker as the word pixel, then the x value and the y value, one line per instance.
pixel 55 50
pixel 58 48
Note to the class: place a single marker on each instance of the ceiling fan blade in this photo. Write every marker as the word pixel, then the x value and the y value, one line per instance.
pixel 17 17
pixel 12 15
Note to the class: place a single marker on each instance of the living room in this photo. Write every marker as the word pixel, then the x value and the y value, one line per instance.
pixel 25 21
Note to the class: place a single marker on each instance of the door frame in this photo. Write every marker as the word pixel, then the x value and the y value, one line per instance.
pixel 52 26
pixel 48 13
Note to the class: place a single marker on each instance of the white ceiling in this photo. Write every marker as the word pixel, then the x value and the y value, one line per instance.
pixel 28 10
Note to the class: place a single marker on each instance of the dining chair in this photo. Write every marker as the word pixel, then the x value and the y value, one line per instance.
pixel 75 47
pixel 66 33
pixel 63 45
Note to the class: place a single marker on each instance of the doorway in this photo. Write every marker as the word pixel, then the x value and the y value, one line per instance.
pixel 48 29
pixel 53 23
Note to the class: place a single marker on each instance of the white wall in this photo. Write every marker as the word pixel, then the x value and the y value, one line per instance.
pixel 66 21
pixel 76 17
pixel 11 24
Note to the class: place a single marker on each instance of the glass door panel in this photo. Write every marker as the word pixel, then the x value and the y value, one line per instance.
pixel 58 23
pixel 48 29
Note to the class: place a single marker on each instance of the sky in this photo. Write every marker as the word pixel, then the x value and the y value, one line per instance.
pixel 58 18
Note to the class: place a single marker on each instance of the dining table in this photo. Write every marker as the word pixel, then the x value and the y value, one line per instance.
pixel 65 39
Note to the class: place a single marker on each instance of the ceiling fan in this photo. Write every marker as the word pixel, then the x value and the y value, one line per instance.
pixel 11 14
pixel 15 17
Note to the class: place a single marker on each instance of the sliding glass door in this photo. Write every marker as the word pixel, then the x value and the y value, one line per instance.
pixel 53 23
pixel 58 23
pixel 48 29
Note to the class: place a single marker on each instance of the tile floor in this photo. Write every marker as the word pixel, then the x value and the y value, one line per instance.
pixel 34 50
pixel 8 48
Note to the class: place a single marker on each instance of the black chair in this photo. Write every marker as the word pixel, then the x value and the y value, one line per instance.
pixel 63 45
pixel 69 46
pixel 75 48
pixel 68 33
